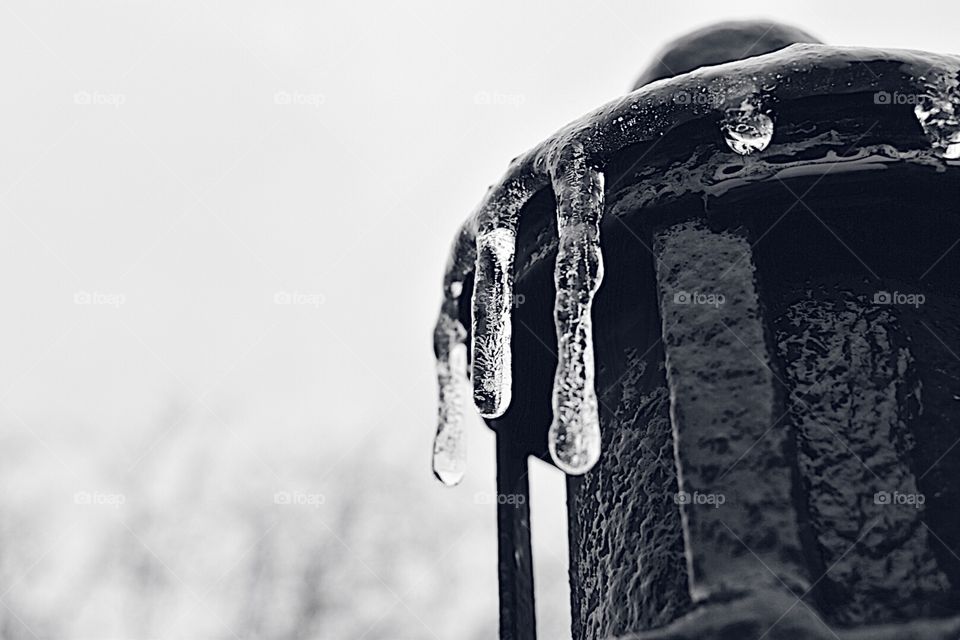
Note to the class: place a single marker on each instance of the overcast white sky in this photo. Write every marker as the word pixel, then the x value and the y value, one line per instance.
pixel 194 159
pixel 199 197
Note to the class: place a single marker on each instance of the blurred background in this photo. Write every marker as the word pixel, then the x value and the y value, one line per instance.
pixel 222 232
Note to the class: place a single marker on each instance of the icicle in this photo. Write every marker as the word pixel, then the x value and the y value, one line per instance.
pixel 574 438
pixel 641 117
pixel 449 342
pixel 746 128
pixel 449 446
pixel 938 112
pixel 492 301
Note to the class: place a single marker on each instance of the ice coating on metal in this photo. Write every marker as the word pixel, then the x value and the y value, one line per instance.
pixel 574 436
pixel 798 71
pixel 938 111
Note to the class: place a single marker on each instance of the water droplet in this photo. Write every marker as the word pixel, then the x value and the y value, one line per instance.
pixel 747 129
pixel 575 450
pixel 938 112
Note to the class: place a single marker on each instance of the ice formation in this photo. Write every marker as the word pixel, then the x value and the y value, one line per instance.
pixel 496 236
pixel 574 436
pixel 450 347
pixel 938 111
pixel 571 162
pixel 449 446
pixel 746 128
pixel 492 296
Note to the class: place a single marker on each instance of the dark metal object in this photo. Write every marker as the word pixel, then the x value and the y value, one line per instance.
pixel 515 561
pixel 719 43
pixel 798 400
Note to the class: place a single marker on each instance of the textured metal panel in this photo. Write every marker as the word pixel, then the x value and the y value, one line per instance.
pixel 733 447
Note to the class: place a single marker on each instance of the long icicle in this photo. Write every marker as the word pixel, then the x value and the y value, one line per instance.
pixel 574 437
pixel 493 299
pixel 449 341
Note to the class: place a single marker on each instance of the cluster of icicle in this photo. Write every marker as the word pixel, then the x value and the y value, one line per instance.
pixel 571 163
